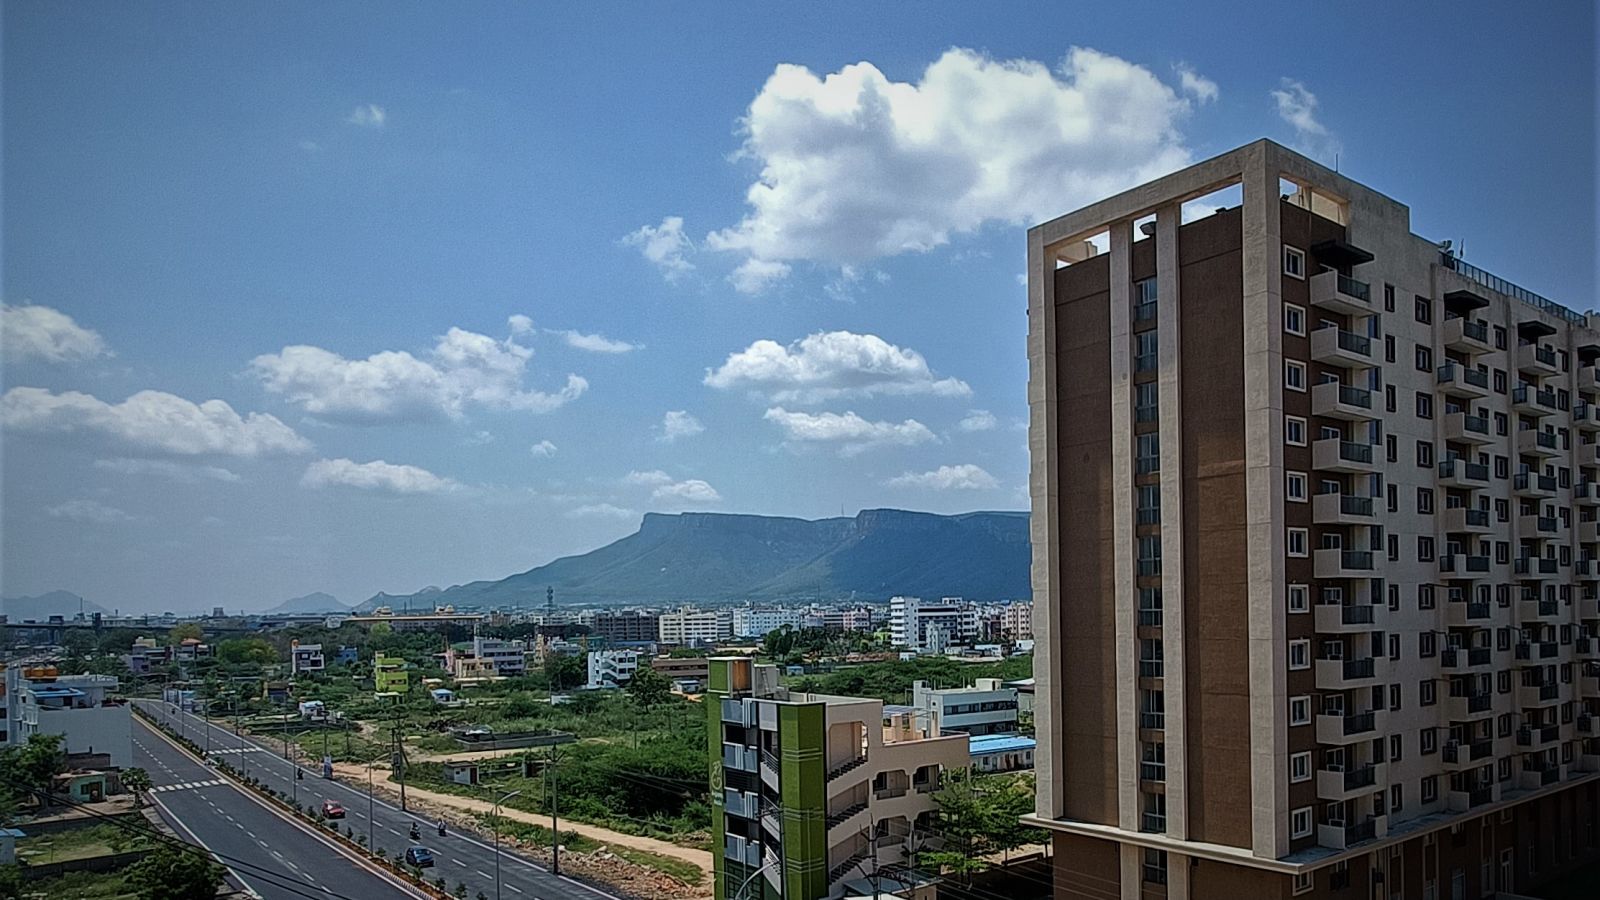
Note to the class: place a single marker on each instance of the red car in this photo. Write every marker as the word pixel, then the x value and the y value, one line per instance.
pixel 332 809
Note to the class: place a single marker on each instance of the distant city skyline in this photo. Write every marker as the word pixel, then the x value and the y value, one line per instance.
pixel 331 299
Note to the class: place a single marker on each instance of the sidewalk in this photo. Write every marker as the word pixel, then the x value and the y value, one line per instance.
pixel 701 859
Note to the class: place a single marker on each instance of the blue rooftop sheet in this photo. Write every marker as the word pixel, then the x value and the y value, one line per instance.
pixel 999 743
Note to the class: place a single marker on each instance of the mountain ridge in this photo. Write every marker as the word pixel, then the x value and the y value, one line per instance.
pixel 727 557
pixel 53 603
pixel 314 602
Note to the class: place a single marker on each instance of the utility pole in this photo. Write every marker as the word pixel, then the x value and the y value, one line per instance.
pixel 398 760
pixel 555 830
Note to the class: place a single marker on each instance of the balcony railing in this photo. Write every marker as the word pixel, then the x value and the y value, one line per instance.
pixel 1355 724
pixel 846 766
pixel 1475 656
pixel 1353 288
pixel 1452 373
pixel 1496 283
pixel 839 817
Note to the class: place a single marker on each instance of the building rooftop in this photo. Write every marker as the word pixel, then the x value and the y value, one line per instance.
pixel 1000 743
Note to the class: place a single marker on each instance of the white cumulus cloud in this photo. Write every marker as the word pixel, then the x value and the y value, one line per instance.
pixel 151 420
pixel 1201 88
pixel 665 245
pixel 166 468
pixel 832 364
pixel 854 166
pixel 965 477
pixel 593 343
pixel 368 115
pixel 851 432
pixel 691 491
pixel 520 324
pixel 39 332
pixel 375 476
pixel 600 511
pixel 678 423
pixel 91 511
pixel 652 478
pixel 463 369
pixel 1297 106
pixel 543 449
pixel 977 420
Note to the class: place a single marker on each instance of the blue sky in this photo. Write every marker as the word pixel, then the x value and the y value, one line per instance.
pixel 515 256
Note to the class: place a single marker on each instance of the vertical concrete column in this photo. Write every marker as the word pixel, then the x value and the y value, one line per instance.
pixel 1132 871
pixel 1170 346
pixel 1264 535
pixel 1122 518
pixel 1178 867
pixel 1044 494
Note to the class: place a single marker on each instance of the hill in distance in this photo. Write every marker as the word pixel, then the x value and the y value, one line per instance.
pixel 720 558
pixel 42 607
pixel 310 603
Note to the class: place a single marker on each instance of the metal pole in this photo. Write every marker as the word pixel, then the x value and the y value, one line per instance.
pixel 495 822
pixel 370 848
pixel 555 830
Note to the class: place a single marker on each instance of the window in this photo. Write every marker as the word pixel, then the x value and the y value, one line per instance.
pixel 1300 822
pixel 1428 740
pixel 1146 397
pixel 1150 555
pixel 1295 487
pixel 1144 351
pixel 1500 337
pixel 1394 653
pixel 1393 542
pixel 1152 710
pixel 1388 397
pixel 1394 747
pixel 1424 310
pixel 1388 348
pixel 1427 644
pixel 1425 596
pixel 1299 598
pixel 1424 405
pixel 1297 542
pixel 1427 693
pixel 1388 299
pixel 1148 459
pixel 1430 787
pixel 1502 424
pixel 1300 766
pixel 1391 446
pixel 1425 454
pixel 1150 606
pixel 1151 663
pixel 1294 431
pixel 1149 504
pixel 1299 654
pixel 1294 375
pixel 1144 300
pixel 1499 381
pixel 1154 765
pixel 1424 548
pixel 1299 710
pixel 1424 359
pixel 1294 319
pixel 1155 866
pixel 1294 262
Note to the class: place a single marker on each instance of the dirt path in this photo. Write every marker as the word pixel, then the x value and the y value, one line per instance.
pixel 698 858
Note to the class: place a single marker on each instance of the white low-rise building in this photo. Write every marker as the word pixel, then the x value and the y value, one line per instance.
pixel 988 707
pixel 612 668
pixel 78 707
pixel 690 627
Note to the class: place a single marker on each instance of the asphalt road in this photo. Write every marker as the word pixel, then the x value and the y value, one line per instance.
pixel 264 853
pixel 459 857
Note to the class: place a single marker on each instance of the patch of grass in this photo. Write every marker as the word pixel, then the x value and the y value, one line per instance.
pixel 84 886
pixel 78 843
pixel 686 872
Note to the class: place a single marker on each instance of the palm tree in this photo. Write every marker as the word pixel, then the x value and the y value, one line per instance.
pixel 138 781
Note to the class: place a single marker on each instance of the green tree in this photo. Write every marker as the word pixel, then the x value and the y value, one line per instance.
pixel 239 651
pixel 11 883
pixel 172 874
pixel 31 768
pixel 136 780
pixel 565 671
pixel 649 687
pixel 186 630
pixel 978 817
pixel 520 706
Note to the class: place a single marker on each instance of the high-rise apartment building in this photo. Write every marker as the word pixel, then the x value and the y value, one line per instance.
pixel 1314 529
pixel 951 619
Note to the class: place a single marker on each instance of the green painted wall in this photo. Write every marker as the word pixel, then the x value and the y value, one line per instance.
pixel 802 787
pixel 716 689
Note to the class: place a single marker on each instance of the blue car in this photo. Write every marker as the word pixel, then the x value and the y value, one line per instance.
pixel 421 857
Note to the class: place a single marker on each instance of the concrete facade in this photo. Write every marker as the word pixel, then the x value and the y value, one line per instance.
pixel 1315 564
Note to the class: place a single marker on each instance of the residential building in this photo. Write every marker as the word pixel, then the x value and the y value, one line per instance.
pixel 629 626
pixel 756 622
pixel 1001 752
pixel 305 658
pixel 1315 549
pixel 690 627
pixel 611 668
pixel 39 700
pixel 487 658
pixel 953 620
pixel 988 707
pixel 687 673
pixel 814 796
pixel 1016 621
pixel 389 675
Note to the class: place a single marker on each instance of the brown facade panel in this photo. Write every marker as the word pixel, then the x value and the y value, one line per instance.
pixel 1087 868
pixel 1088 648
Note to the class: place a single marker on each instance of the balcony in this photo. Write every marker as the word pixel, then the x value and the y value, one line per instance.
pixel 739 758
pixel 1459 519
pixel 1541 775
pixel 1532 609
pixel 1341 837
pixel 1458 473
pixel 1349 784
pixel 1534 568
pixel 1586 494
pixel 736 848
pixel 1589 532
pixel 1589 378
pixel 1533 486
pixel 1334 618
pixel 1536 651
pixel 1532 401
pixel 1466 707
pixel 1337 563
pixel 1537 361
pixel 1341 293
pixel 741 803
pixel 1346 729
pixel 1466 336
pixel 1341 401
pixel 1341 509
pixel 1589 680
pixel 1348 674
pixel 1459 757
pixel 1465 614
pixel 1337 455
pixel 1337 347
pixel 1589 608
pixel 1586 416
pixel 1585 569
pixel 1542 527
pixel 1456 380
pixel 1465 428
pixel 1533 442
pixel 738 712
pixel 1461 660
pixel 844 815
pixel 847 766
pixel 1533 695
pixel 1461 801
pixel 1460 567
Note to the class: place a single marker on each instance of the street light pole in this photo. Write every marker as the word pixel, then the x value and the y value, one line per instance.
pixel 765 866
pixel 495 822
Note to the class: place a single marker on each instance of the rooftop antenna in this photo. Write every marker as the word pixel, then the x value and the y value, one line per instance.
pixel 550 600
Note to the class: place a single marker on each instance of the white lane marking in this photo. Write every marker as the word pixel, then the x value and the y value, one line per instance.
pixel 196 838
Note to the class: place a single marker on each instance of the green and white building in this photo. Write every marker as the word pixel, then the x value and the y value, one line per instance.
pixel 813 793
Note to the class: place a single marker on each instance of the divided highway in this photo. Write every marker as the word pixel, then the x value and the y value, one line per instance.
pixel 459 857
pixel 265 854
